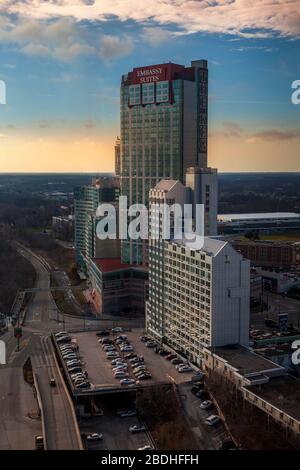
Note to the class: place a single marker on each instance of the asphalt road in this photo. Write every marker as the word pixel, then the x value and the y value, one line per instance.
pixel 17 429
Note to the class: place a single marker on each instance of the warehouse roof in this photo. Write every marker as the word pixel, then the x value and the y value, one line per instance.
pixel 257 216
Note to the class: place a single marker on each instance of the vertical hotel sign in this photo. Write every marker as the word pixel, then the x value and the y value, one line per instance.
pixel 149 74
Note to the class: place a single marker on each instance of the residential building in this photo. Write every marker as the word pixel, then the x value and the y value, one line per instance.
pixel 198 292
pixel 86 201
pixel 163 132
pixel 203 185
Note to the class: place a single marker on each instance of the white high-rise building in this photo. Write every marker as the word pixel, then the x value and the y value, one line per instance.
pixel 203 185
pixel 198 294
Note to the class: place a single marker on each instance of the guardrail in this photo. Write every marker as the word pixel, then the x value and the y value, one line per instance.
pixel 41 408
pixel 78 435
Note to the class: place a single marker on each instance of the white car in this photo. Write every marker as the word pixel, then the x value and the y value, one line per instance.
pixel 212 420
pixel 120 374
pixel 137 428
pixel 117 329
pixel 120 369
pixel 206 404
pixel 184 369
pixel 94 437
pixel 112 355
pixel 127 381
pixel 127 349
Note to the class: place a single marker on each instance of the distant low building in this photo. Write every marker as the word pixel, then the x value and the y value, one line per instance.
pixel 63 227
pixel 276 281
pixel 269 253
pixel 260 222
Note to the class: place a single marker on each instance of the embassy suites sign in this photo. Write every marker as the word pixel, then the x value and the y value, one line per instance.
pixel 150 74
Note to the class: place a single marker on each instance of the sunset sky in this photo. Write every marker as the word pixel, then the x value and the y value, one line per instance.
pixel 62 61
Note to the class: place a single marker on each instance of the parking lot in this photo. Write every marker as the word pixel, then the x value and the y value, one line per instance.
pixel 99 368
pixel 115 431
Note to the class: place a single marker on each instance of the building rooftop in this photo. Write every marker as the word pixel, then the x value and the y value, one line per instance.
pixel 281 392
pixel 244 360
pixel 257 216
pixel 110 264
pixel 209 245
pixel 165 185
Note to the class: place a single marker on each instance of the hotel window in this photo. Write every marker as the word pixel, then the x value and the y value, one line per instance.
pixel 162 92
pixel 134 95
pixel 148 93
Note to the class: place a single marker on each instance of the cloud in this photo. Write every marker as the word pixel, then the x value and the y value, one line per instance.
pixel 60 39
pixel 70 53
pixel 113 47
pixel 36 50
pixel 245 18
pixel 155 36
pixel 273 135
pixel 229 129
pixel 234 130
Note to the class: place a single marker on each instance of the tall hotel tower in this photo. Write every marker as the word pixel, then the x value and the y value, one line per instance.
pixel 163 132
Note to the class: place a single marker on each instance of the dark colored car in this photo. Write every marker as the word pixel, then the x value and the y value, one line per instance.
pixel 103 333
pixel 170 356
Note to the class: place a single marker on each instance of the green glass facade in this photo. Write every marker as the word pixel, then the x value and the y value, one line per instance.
pixel 159 132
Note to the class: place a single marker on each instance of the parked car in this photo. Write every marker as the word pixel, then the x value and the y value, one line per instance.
pixel 94 437
pixel 73 369
pixel 198 376
pixel 118 362
pixel 127 381
pixel 137 428
pixel 120 369
pixel 205 404
pixel 83 385
pixel 61 333
pixel 120 374
pixel 184 369
pixel 163 352
pixel 144 377
pixel 169 357
pixel 63 339
pixel 144 338
pixel 121 337
pixel 103 333
pixel 176 361
pixel 117 329
pixel 105 341
pixel 151 344
pixel 131 355
pixel 112 355
pixel 212 420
